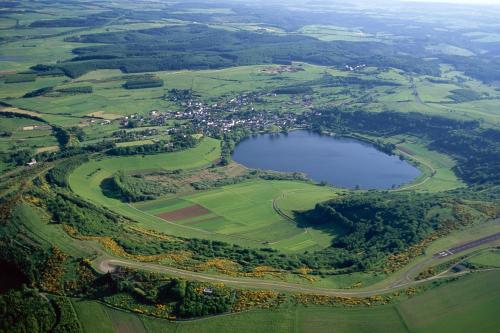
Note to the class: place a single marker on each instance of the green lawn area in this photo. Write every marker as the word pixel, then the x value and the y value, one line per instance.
pixel 300 319
pixel 13 124
pixel 488 258
pixel 334 33
pixel 86 179
pixel 22 139
pixel 36 224
pixel 433 92
pixel 444 178
pixel 470 304
pixel 93 316
pixel 125 322
pixel 246 211
pixel 241 213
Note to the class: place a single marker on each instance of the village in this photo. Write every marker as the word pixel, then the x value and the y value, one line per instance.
pixel 221 117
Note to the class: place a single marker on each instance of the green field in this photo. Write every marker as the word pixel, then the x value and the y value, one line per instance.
pixel 467 305
pixel 94 172
pixel 241 213
pixel 333 33
pixel 22 135
pixel 247 211
pixel 94 315
pixel 437 169
pixel 34 222
pixel 110 99
pixel 471 304
pixel 488 258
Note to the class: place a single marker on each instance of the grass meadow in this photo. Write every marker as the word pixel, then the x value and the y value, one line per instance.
pixel 468 304
pixel 241 213
pixel 110 100
pixel 437 166
pixel 247 211
pixel 488 258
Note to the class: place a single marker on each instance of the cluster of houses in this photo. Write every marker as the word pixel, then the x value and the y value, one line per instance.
pixel 220 117
pixel 354 68
pixel 238 111
pixel 96 121
pixel 37 128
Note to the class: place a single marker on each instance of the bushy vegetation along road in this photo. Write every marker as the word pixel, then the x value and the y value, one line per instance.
pixel 107 264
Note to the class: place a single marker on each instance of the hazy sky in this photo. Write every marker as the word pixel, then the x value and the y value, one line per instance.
pixel 488 2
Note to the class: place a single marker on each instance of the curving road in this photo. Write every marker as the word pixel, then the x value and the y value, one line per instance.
pixel 106 264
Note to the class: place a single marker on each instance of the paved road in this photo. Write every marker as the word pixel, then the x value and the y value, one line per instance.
pixel 472 244
pixel 107 264
pixel 446 253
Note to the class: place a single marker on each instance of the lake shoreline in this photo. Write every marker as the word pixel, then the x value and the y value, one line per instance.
pixel 340 161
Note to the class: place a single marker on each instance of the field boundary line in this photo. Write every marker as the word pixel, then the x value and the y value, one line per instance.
pixel 169 222
pixel 401 317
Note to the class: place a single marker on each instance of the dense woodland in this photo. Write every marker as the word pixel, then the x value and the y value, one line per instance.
pixel 380 223
pixel 201 47
pixel 26 311
pixel 144 52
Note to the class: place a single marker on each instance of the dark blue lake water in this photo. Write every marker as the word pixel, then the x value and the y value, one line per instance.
pixel 341 162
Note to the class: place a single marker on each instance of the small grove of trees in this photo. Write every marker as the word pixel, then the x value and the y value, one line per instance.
pixel 200 301
pixel 76 90
pixel 69 91
pixel 19 157
pixel 178 141
pixel 59 174
pixel 132 188
pixel 174 290
pixel 68 137
pixel 143 82
pixel 38 92
pixel 229 141
pixel 252 174
pixel 176 95
pixel 26 311
pixel 88 219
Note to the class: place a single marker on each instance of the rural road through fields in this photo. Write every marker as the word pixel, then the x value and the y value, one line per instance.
pixel 474 243
pixel 408 276
pixel 106 264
